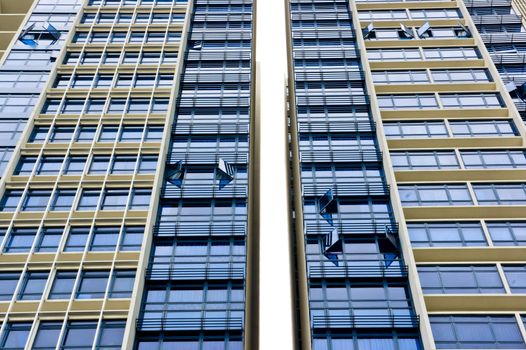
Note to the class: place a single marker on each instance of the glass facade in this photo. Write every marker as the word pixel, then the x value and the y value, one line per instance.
pixel 502 28
pixel 128 148
pixel 77 200
pixel 28 64
pixel 194 296
pixel 358 293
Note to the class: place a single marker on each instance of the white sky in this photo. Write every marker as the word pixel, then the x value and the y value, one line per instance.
pixel 275 315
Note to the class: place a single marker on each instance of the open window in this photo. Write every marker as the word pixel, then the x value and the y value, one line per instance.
pixel 327 206
pixel 369 32
pixel 33 35
pixel 175 173
pixel 425 31
pixel 405 33
pixel 333 246
pixel 225 173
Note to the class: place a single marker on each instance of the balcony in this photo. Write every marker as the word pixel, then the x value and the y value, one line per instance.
pixel 185 128
pixel 189 190
pixel 174 229
pixel 352 227
pixel 187 324
pixel 208 157
pixel 508 58
pixel 333 125
pixel 335 100
pixel 325 52
pixel 328 156
pixel 309 33
pixel 503 38
pixel 308 74
pixel 176 272
pixel 385 269
pixel 497 19
pixel 365 321
pixel 344 187
pixel 487 3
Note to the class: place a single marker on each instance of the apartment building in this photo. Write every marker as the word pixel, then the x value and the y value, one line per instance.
pixel 408 158
pixel 129 167
pixel 124 210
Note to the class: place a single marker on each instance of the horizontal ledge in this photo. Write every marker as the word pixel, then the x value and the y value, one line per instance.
pixel 456 142
pixel 469 254
pixel 435 87
pixel 435 23
pixel 404 5
pixel 461 303
pixel 444 113
pixel 392 65
pixel 465 212
pixel 370 44
pixel 462 175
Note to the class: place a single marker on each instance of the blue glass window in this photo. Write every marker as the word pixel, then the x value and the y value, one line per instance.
pixel 63 285
pixel 446 234
pixel 15 336
pixel 8 283
pixel 47 335
pixel 507 233
pixel 460 279
pixel 33 286
pixel 77 238
pixel 49 239
pixel 20 240
pixel 476 332
pixel 93 284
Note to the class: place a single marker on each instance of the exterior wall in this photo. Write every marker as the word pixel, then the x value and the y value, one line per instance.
pixel 78 193
pixel 353 284
pixel 194 293
pixel 12 14
pixel 26 66
pixel 419 187
pixel 445 79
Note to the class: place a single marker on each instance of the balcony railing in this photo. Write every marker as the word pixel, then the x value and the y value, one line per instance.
pixel 326 75
pixel 487 3
pixel 209 128
pixel 513 58
pixel 322 34
pixel 199 229
pixel 232 190
pixel 308 126
pixel 497 19
pixel 175 272
pixel 341 156
pixel 219 55
pixel 355 227
pixel 385 269
pixel 335 100
pixel 503 38
pixel 326 52
pixel 207 157
pixel 345 188
pixel 369 321
pixel 185 324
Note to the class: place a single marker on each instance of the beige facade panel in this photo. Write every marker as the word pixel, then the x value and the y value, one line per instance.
pixel 463 175
pixel 476 303
pixel 470 255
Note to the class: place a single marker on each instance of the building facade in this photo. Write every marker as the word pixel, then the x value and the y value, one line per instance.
pixel 128 218
pixel 399 118
pixel 125 202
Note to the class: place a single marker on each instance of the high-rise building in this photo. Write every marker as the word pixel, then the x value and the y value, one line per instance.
pixel 130 174
pixel 502 28
pixel 408 168
pixel 124 207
